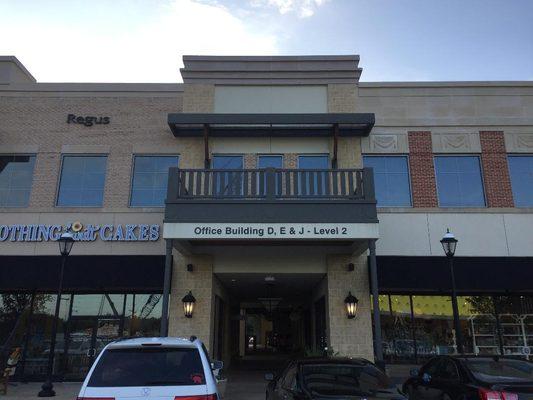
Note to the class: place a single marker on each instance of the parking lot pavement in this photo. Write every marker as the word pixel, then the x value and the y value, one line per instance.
pixel 246 385
pixel 64 391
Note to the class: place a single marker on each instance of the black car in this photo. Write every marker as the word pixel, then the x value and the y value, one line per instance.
pixel 471 378
pixel 330 378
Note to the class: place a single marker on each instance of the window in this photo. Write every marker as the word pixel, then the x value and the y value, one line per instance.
pixel 521 170
pixel 228 184
pixel 459 181
pixel 313 183
pixel 164 366
pixel 319 161
pixel 16 175
pixel 391 180
pixel 150 179
pixel 270 161
pixel 82 181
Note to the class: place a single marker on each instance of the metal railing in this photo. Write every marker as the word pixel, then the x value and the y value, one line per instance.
pixel 271 184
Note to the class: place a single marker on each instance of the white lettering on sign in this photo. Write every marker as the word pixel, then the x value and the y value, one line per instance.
pixel 87 233
pixel 269 231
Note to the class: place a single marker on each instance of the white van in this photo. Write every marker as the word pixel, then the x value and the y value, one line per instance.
pixel 152 368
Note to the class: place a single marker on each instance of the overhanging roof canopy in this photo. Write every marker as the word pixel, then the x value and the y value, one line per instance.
pixel 309 125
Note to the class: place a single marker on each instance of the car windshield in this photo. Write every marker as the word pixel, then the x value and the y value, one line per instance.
pixel 344 379
pixel 501 370
pixel 148 367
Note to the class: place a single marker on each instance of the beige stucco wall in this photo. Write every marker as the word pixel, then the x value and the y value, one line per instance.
pixel 200 283
pixel 349 337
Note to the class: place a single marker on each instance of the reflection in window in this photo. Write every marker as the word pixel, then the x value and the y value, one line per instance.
pixel 150 180
pixel 521 171
pixel 459 181
pixel 313 183
pixel 82 181
pixel 229 183
pixel 391 178
pixel 16 176
pixel 143 314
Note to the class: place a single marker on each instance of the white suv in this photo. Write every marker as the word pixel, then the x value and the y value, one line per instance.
pixel 152 368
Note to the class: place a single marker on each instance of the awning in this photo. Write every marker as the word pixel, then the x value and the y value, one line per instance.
pixel 256 125
pixel 495 275
pixel 94 274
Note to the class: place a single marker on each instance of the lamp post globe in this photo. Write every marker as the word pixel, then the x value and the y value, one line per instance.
pixel 65 241
pixel 449 243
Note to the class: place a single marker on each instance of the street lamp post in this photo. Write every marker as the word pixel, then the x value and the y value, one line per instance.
pixel 449 243
pixel 65 241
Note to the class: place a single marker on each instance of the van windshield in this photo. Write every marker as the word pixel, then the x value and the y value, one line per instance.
pixel 148 367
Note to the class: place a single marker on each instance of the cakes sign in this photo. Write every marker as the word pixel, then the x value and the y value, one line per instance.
pixel 88 233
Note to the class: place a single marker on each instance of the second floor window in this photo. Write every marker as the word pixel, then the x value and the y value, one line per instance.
pixel 228 184
pixel 521 171
pixel 459 182
pixel 16 176
pixel 313 183
pixel 82 181
pixel 391 180
pixel 150 180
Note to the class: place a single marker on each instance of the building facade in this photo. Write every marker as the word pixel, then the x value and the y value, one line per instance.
pixel 270 188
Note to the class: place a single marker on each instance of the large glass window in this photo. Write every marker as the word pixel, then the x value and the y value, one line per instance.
pixel 16 176
pixel 391 180
pixel 270 161
pixel 82 181
pixel 521 170
pixel 228 184
pixel 459 182
pixel 313 183
pixel 150 179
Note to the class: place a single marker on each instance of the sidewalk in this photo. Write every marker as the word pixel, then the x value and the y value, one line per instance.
pixel 64 391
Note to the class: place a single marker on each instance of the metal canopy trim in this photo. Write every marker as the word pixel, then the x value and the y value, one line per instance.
pixel 236 125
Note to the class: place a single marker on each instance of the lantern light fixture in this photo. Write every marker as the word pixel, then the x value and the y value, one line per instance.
pixel 66 241
pixel 449 243
pixel 351 305
pixel 188 304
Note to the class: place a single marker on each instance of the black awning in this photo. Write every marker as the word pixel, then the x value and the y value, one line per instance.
pixel 83 273
pixel 473 274
pixel 254 125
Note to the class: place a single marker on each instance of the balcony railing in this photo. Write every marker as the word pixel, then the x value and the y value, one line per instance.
pixel 271 184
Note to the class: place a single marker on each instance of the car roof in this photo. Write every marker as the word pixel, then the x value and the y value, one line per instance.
pixel 332 360
pixel 155 341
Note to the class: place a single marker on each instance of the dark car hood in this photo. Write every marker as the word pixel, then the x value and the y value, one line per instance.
pixel 391 394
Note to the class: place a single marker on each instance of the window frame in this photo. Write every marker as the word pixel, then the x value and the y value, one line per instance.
pixel 313 155
pixel 269 155
pixel 212 160
pixel 106 155
pixel 132 175
pixel 409 183
pixel 32 175
pixel 511 155
pixel 482 177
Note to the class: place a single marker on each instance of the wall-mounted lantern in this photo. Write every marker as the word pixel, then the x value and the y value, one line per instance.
pixel 351 305
pixel 188 304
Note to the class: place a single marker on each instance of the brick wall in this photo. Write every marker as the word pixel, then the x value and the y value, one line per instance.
pixel 422 170
pixel 495 169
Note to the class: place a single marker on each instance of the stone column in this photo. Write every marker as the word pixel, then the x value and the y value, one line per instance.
pixel 200 283
pixel 349 337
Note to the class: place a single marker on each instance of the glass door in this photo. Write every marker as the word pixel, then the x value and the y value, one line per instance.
pixel 87 336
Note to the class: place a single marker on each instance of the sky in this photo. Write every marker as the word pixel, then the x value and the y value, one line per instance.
pixel 144 40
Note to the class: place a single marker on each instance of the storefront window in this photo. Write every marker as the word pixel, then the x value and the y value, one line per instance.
pixel 143 315
pixel 480 334
pixel 433 326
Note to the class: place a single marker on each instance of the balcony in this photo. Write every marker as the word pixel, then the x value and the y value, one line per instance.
pixel 325 204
